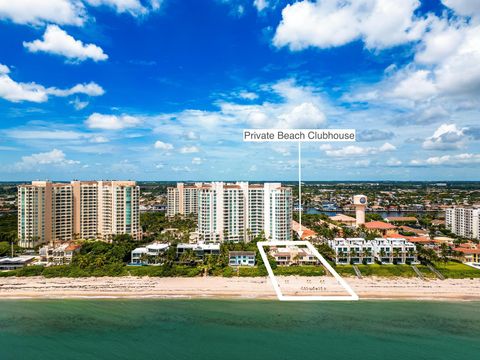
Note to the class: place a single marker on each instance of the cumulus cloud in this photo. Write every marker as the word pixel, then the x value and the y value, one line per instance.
pixel 112 122
pixel 354 150
pixel 189 150
pixel 57 41
pixel 55 157
pixel 261 5
pixel 464 7
pixel 448 160
pixel 197 161
pixel 36 12
pixel 330 23
pixel 17 91
pixel 133 7
pixel 446 137
pixel 248 95
pixel 160 145
pixel 374 135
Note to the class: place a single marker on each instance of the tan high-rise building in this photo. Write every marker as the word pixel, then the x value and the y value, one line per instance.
pixel 183 199
pixel 237 212
pixel 45 213
pixel 57 212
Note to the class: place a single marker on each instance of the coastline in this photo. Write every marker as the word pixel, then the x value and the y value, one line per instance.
pixel 130 287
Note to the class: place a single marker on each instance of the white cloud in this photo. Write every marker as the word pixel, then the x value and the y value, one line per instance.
pixel 197 161
pixel 446 137
pixel 248 95
pixel 330 23
pixel 112 122
pixel 450 160
pixel 261 5
pixel 392 162
pixel 38 12
pixel 189 150
pixel 57 41
pixel 354 150
pixel 54 157
pixel 191 135
pixel 98 139
pixel 17 91
pixel 181 169
pixel 253 168
pixel 464 7
pixel 133 7
pixel 160 145
pixel 78 104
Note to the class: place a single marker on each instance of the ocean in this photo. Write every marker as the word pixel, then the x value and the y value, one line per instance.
pixel 236 329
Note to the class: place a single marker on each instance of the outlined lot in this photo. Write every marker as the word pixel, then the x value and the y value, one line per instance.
pixel 352 296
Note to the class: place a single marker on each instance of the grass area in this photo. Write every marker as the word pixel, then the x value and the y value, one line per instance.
pixel 306 270
pixel 426 272
pixel 455 270
pixel 377 270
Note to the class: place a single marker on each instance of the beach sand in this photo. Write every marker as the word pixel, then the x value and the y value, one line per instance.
pixel 236 288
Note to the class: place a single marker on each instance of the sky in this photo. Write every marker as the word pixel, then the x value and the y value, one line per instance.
pixel 162 90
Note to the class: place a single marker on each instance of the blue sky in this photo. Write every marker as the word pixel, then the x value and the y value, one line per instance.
pixel 161 90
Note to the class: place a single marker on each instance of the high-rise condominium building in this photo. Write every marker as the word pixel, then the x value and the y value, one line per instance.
pixel 237 212
pixel 51 212
pixel 463 222
pixel 182 199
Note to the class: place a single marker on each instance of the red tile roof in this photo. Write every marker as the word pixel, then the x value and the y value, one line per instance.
pixel 379 225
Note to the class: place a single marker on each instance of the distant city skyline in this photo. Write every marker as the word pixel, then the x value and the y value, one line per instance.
pixel 162 90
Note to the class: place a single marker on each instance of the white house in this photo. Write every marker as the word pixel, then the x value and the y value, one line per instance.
pixel 352 250
pixel 149 254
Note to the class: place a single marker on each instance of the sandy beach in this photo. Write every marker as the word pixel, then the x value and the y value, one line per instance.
pixel 235 288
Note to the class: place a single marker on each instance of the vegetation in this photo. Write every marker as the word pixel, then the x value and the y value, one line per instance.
pixel 457 270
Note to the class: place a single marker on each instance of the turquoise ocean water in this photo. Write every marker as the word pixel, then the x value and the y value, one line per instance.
pixel 249 329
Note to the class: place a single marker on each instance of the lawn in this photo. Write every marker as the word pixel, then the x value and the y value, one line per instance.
pixel 456 270
pixel 377 270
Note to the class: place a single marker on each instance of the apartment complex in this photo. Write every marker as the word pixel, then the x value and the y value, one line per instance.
pixel 235 211
pixel 57 212
pixel 463 221
pixel 182 199
pixel 384 250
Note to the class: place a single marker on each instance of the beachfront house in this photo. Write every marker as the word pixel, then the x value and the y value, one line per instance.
pixel 17 262
pixel 150 254
pixel 241 258
pixel 200 249
pixel 293 255
pixel 58 255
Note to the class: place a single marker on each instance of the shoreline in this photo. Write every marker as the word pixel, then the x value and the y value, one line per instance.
pixel 130 287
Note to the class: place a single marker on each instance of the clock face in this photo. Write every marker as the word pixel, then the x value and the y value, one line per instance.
pixel 363 200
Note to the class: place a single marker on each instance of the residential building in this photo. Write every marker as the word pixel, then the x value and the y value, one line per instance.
pixel 395 251
pixel 344 219
pixel 293 255
pixel 385 250
pixel 45 213
pixel 182 199
pixel 18 262
pixel 241 258
pixel 240 211
pixel 58 212
pixel 59 255
pixel 303 232
pixel 381 227
pixel 353 251
pixel 149 254
pixel 200 249
pixel 470 252
pixel 463 221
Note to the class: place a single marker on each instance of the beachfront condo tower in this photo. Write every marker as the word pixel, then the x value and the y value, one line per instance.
pixel 57 212
pixel 235 212
pixel 463 221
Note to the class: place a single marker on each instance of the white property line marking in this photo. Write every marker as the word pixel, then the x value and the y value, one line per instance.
pixel 353 296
